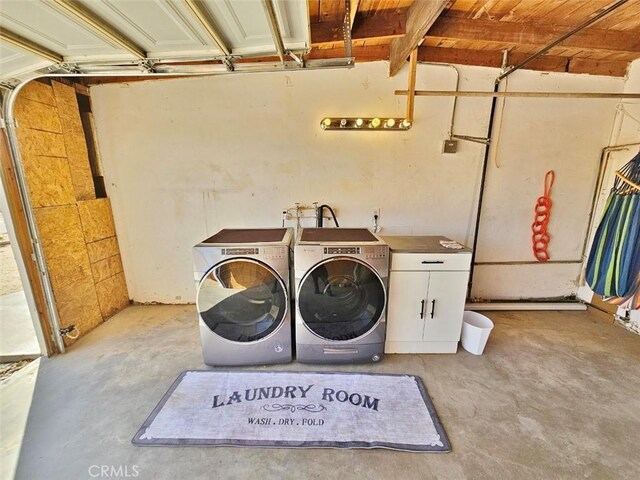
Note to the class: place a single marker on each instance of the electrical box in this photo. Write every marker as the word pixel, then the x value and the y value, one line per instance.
pixel 450 146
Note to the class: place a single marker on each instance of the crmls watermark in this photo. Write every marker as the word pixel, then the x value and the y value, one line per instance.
pixel 114 471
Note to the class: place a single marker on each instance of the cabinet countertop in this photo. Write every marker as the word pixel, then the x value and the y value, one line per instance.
pixel 420 244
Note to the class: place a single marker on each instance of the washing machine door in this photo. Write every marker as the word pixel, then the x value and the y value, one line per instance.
pixel 341 298
pixel 242 300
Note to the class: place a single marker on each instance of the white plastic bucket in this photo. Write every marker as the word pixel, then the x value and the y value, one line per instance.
pixel 475 332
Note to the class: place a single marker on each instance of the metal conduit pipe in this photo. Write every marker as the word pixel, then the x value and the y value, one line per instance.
pixel 483 178
pixel 455 98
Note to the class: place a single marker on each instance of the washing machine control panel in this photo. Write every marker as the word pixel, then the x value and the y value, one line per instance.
pixel 342 250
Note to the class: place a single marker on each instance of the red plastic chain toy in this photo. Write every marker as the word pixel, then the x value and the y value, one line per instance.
pixel 541 237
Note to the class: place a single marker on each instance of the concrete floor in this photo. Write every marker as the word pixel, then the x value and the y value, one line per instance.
pixel 18 339
pixel 17 336
pixel 556 395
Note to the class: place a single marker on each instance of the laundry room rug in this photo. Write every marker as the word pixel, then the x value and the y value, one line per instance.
pixel 296 409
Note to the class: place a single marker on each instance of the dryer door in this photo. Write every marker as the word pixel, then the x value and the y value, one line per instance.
pixel 242 300
pixel 341 298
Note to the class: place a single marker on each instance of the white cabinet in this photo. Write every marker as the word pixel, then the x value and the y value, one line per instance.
pixel 427 294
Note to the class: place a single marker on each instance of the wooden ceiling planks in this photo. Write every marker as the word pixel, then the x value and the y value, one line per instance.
pixel 528 10
pixel 314 11
pixel 497 10
pixel 556 10
pixel 490 26
pixel 370 8
pixel 331 10
pixel 625 18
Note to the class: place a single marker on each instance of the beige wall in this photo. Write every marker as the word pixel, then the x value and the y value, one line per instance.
pixel 184 158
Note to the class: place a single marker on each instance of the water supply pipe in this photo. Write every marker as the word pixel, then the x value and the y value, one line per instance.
pixel 320 213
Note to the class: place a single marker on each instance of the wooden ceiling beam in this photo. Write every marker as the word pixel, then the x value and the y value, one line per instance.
pixel 390 23
pixel 533 34
pixel 420 17
pixel 488 58
pixel 546 63
pixel 362 54
pixel 592 66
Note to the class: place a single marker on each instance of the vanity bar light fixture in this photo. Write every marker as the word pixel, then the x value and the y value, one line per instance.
pixel 367 124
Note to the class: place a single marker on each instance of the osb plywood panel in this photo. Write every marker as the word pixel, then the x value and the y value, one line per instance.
pixel 37 142
pixel 106 268
pixel 74 140
pixel 112 295
pixel 79 164
pixel 67 102
pixel 63 243
pixel 49 180
pixel 97 219
pixel 102 249
pixel 37 115
pixel 38 92
pixel 77 304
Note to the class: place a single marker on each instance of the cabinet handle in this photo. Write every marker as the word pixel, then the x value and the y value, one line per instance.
pixel 428 262
pixel 422 309
pixel 433 307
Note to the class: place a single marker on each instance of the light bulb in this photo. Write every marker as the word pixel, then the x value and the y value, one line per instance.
pixel 390 123
pixel 343 122
pixel 405 123
pixel 375 123
pixel 359 122
pixel 326 123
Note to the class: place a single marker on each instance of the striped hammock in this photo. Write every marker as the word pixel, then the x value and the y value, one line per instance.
pixel 613 266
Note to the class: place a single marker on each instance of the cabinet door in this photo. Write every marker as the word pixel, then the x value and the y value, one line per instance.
pixel 407 303
pixel 445 306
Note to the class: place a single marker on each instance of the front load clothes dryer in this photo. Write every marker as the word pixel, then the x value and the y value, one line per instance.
pixel 243 298
pixel 341 295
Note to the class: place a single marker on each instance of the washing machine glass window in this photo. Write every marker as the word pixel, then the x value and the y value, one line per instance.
pixel 242 300
pixel 341 299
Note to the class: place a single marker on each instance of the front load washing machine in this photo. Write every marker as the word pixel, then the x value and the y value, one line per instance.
pixel 243 297
pixel 341 295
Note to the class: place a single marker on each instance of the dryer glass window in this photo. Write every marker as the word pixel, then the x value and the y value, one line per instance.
pixel 341 299
pixel 242 300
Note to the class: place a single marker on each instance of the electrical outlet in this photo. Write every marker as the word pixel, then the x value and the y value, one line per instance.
pixel 450 146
